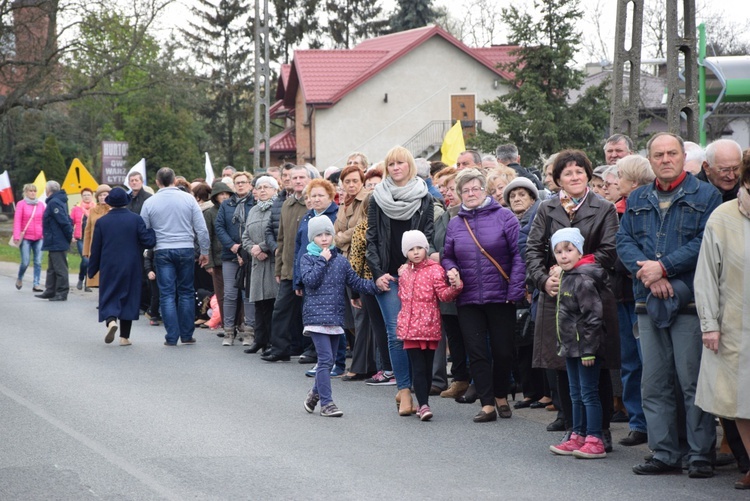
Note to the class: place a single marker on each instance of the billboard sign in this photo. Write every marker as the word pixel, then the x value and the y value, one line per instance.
pixel 114 166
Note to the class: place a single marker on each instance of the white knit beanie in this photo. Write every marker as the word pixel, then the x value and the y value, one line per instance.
pixel 413 238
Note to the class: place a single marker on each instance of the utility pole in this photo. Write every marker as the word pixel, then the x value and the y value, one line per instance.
pixel 624 117
pixel 679 102
pixel 262 87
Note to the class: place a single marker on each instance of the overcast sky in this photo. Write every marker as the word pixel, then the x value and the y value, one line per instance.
pixel 736 10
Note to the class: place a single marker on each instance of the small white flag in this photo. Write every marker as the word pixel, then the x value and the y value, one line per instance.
pixel 209 171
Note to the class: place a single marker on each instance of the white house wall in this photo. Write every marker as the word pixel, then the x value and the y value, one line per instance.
pixel 419 87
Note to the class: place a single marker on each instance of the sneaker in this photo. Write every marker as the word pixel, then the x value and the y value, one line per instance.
pixel 592 449
pixel 424 413
pixel 331 410
pixel 311 372
pixel 311 401
pixel 382 378
pixel 125 342
pixel 567 447
pixel 228 341
pixel 337 372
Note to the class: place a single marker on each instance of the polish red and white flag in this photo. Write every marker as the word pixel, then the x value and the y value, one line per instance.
pixel 6 192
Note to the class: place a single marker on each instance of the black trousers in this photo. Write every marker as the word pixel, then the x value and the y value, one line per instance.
pixel 377 331
pixel 421 373
pixel 532 380
pixel 56 283
pixel 489 338
pixel 263 321
pixel 459 366
pixel 363 351
pixel 286 319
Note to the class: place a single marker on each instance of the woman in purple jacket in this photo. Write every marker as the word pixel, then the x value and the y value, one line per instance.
pixel 486 309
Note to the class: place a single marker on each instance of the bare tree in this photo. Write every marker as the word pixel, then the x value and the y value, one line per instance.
pixel 479 26
pixel 39 43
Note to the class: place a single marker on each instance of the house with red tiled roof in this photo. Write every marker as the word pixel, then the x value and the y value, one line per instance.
pixel 406 88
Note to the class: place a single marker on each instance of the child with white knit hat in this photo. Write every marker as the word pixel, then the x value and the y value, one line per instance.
pixel 422 285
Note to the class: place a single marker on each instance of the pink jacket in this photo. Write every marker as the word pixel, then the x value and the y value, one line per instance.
pixel 420 288
pixel 23 214
pixel 76 215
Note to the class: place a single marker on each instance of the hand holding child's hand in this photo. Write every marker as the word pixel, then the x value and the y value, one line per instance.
pixel 326 254
pixel 454 277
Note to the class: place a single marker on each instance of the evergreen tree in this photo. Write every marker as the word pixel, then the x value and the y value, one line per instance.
pixel 350 21
pixel 535 114
pixel 52 161
pixel 410 14
pixel 294 21
pixel 221 41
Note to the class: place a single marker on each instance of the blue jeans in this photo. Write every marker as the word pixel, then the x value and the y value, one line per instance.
pixel 84 260
pixel 631 366
pixel 26 247
pixel 174 274
pixel 584 396
pixel 390 305
pixel 673 356
pixel 326 345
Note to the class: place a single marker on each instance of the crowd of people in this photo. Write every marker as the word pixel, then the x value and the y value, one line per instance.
pixel 607 294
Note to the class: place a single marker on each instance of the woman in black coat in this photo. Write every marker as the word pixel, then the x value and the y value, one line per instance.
pixel 122 236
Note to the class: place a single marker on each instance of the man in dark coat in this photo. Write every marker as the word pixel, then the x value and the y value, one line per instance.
pixel 121 236
pixel 57 229
pixel 508 155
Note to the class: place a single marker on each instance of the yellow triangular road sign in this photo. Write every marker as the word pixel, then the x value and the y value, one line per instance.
pixel 78 178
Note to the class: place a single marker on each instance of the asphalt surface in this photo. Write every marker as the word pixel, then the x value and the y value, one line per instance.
pixel 82 420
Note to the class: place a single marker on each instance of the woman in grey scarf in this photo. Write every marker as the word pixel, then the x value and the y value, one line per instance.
pixel 399 204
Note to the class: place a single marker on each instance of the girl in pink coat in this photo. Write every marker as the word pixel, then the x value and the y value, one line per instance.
pixel 422 285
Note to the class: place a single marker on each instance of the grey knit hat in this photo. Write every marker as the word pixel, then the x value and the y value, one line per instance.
pixel 413 238
pixel 319 225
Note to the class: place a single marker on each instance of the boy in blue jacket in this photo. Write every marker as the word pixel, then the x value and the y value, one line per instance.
pixel 325 276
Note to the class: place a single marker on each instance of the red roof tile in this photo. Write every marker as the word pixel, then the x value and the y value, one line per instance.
pixel 326 76
pixel 498 54
pixel 284 141
pixel 283 82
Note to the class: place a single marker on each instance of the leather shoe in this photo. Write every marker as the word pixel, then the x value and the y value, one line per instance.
pixel 486 417
pixel 522 404
pixel 272 357
pixel 189 341
pixel 58 298
pixel 744 482
pixel 254 348
pixel 634 438
pixel 504 411
pixel 556 425
pixel 656 467
pixel 44 295
pixel 538 405
pixel 700 469
pixel 434 391
pixel 469 397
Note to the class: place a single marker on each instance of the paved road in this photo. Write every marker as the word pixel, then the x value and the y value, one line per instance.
pixel 82 420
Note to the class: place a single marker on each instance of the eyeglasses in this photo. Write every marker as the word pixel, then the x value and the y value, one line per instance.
pixel 729 170
pixel 467 191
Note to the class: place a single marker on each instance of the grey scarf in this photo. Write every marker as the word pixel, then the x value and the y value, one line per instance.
pixel 400 202
pixel 239 212
pixel 264 206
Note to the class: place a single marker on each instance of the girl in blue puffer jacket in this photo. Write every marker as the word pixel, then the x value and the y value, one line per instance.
pixel 325 275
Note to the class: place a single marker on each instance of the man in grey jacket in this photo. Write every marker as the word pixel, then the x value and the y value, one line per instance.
pixel 177 220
